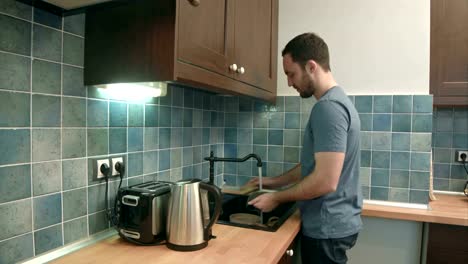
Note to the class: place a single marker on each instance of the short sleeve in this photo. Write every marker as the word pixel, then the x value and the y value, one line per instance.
pixel 329 123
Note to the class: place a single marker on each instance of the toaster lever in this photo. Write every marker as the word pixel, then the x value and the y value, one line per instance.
pixel 130 200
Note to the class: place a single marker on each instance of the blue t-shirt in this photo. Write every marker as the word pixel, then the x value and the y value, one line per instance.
pixel 333 126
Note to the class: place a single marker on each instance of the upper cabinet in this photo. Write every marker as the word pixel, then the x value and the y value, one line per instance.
pixel 228 46
pixel 449 52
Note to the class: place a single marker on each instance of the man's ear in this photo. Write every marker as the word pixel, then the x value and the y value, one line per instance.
pixel 311 66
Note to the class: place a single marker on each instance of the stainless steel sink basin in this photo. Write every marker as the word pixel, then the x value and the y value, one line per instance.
pixel 233 204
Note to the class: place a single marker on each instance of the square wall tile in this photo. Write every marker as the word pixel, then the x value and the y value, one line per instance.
pixel 45 144
pixel 16 75
pixel 46 77
pixel 97 113
pixel 75 24
pixel 441 170
pixel 98 141
pixel 422 123
pixel 46 110
pixel 15 183
pixel 363 104
pixel 97 222
pixel 117 114
pixel 73 112
pixel 15 35
pixel 442 140
pixel 151 115
pixel 460 140
pixel 16 218
pixel 421 142
pixel 460 123
pixel 74 173
pixel 291 137
pixel 74 143
pixel 364 176
pixel 46 177
pixel 164 138
pixel 382 104
pixel 398 195
pixel 380 177
pixel 399 178
pixel 381 159
pixel 443 155
pixel 47 210
pixel 400 160
pixel 17 249
pixel 419 180
pixel 48 239
pixel 14 109
pixel 150 162
pixel 365 158
pixel 47 18
pixel 164 160
pixel 402 104
pixel 17 9
pixel 135 139
pixel 401 123
pixel 422 103
pixel 74 204
pixel 444 120
pixel 275 137
pixel 245 104
pixel 366 122
pixel 135 164
pixel 73 82
pixel 381 141
pixel 382 122
pixel 245 136
pixel 292 121
pixel 292 104
pixel 75 230
pixel 73 50
pixel 379 193
pixel 366 140
pixel 135 115
pixel 420 197
pixel 15 146
pixel 260 120
pixel 96 198
pixel 275 154
pixel 420 161
pixel 276 120
pixel 47 43
pixel 400 141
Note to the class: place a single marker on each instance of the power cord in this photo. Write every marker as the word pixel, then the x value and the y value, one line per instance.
pixel 463 157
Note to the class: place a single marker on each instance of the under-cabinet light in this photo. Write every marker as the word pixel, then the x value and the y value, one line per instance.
pixel 133 91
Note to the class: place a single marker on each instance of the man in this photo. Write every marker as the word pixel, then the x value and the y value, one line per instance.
pixel 327 178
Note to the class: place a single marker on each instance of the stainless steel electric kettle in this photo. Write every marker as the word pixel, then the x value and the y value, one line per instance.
pixel 186 229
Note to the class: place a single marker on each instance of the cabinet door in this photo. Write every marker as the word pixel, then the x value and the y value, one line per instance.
pixel 205 34
pixel 256 42
pixel 449 52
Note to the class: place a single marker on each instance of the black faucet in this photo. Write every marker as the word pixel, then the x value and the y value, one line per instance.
pixel 212 160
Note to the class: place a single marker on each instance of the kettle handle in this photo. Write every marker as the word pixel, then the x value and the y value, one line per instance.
pixel 217 210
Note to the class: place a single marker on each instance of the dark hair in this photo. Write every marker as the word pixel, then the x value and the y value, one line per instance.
pixel 308 46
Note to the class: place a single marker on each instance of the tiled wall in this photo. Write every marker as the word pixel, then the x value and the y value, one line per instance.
pixel 450 133
pixel 395 141
pixel 52 128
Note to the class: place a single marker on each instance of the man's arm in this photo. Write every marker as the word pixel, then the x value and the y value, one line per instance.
pixel 323 180
pixel 290 177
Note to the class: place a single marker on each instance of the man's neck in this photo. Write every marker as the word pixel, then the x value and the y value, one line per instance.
pixel 325 83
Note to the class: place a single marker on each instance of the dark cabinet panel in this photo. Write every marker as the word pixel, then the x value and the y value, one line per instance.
pixel 447 244
pixel 449 52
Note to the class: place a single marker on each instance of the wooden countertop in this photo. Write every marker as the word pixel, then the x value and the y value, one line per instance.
pixel 241 245
pixel 447 209
pixel 232 245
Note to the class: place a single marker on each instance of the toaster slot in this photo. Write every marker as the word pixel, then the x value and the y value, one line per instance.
pixel 130 200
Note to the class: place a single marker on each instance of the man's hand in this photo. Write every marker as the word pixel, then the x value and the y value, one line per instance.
pixel 266 182
pixel 265 202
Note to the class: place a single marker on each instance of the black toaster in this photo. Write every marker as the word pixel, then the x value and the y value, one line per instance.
pixel 142 212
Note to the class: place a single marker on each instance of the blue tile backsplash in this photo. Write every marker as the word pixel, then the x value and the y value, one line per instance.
pixel 52 127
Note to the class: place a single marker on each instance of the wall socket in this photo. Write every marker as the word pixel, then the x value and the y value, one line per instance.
pixel 114 161
pixel 98 163
pixel 459 154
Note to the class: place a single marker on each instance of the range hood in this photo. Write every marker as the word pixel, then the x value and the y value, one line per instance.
pixel 71 7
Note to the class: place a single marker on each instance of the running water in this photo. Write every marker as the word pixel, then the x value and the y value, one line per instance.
pixel 260 186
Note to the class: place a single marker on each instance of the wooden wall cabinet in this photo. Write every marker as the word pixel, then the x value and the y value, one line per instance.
pixel 227 46
pixel 449 52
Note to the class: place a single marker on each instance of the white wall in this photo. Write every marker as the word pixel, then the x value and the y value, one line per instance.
pixel 376 46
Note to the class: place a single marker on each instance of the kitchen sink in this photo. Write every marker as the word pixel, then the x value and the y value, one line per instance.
pixel 233 204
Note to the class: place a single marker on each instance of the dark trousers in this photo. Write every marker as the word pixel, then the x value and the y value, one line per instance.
pixel 325 251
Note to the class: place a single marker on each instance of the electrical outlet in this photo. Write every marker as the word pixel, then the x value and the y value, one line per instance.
pixel 98 172
pixel 114 161
pixel 459 154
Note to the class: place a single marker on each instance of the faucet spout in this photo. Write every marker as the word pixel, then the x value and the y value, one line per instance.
pixel 212 159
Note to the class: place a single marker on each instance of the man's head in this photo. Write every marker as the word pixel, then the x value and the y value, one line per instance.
pixel 305 57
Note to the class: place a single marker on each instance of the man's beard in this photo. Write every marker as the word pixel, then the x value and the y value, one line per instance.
pixel 306 93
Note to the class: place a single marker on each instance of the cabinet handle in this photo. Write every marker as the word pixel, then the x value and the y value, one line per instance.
pixel 233 67
pixel 290 252
pixel 241 70
pixel 194 2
